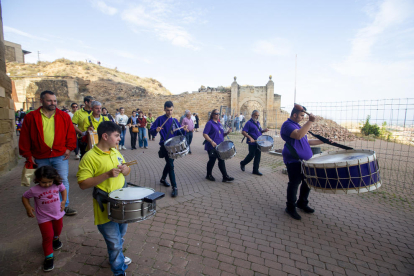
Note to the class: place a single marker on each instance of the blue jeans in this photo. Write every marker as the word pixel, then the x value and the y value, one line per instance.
pixel 237 126
pixel 62 167
pixel 142 139
pixel 189 138
pixel 113 234
pixel 122 142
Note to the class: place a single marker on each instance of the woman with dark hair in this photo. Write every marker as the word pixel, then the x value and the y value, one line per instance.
pixel 105 113
pixel 214 135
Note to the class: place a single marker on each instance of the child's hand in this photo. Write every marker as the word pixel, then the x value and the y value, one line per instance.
pixel 124 169
pixel 62 206
pixel 114 172
pixel 30 212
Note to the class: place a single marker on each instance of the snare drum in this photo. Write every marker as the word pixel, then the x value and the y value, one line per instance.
pixel 265 143
pixel 226 150
pixel 176 147
pixel 132 204
pixel 343 172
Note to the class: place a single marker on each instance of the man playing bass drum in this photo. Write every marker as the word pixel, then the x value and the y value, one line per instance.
pixel 252 130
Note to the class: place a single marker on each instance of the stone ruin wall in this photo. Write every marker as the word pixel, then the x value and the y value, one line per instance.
pixel 8 138
pixel 201 103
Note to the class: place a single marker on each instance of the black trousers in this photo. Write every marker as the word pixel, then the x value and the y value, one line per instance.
pixel 295 179
pixel 168 168
pixel 212 157
pixel 255 153
pixel 82 147
pixel 134 136
pixel 149 134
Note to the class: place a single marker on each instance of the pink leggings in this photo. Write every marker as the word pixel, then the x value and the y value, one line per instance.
pixel 49 230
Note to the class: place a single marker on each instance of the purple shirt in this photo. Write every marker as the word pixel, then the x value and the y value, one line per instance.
pixel 189 123
pixel 301 146
pixel 47 202
pixel 159 121
pixel 251 129
pixel 215 131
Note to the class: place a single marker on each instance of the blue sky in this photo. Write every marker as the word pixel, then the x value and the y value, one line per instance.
pixel 347 50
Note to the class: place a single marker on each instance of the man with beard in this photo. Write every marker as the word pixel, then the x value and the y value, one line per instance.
pixel 47 138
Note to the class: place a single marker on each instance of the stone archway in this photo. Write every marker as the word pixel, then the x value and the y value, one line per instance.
pixel 248 107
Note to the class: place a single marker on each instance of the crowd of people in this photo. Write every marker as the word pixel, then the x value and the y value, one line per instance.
pixel 48 136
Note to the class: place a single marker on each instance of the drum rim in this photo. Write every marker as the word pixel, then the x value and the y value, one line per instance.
pixel 128 200
pixel 265 136
pixel 227 141
pixel 172 138
pixel 341 164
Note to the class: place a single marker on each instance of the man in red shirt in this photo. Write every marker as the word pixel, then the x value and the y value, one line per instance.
pixel 47 138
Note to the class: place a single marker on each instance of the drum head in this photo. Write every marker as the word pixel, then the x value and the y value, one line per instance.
pixel 131 193
pixel 265 141
pixel 225 146
pixel 174 141
pixel 340 158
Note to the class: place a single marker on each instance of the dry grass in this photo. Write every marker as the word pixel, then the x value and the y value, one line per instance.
pixel 89 71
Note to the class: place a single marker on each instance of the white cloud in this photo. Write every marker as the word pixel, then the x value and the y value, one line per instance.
pixel 273 47
pixel 103 7
pixel 155 17
pixel 8 29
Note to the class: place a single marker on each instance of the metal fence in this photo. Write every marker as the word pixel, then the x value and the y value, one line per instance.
pixel 385 126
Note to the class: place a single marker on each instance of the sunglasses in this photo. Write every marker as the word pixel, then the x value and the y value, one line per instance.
pixel 216 113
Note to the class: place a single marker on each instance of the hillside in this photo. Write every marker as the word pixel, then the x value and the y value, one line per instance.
pixel 86 71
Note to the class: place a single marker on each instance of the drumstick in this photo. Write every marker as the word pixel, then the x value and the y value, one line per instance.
pixel 130 163
pixel 300 108
pixel 165 121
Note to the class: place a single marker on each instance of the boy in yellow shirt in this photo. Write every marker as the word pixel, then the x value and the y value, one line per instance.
pixel 101 168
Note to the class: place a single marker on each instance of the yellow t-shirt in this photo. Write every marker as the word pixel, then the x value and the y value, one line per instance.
pixel 96 162
pixel 95 123
pixel 48 128
pixel 79 118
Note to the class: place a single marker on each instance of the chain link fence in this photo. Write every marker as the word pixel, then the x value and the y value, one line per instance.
pixel 385 126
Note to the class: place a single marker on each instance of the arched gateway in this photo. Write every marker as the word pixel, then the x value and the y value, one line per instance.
pixel 245 99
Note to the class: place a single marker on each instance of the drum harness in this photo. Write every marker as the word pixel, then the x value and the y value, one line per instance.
pixel 259 128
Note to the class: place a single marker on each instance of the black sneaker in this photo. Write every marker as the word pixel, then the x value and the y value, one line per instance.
pixel 242 167
pixel 210 177
pixel 227 179
pixel 257 173
pixel 57 244
pixel 305 209
pixel 293 213
pixel 165 183
pixel 174 192
pixel 70 211
pixel 48 264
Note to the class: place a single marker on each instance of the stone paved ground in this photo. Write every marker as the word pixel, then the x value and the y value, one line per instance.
pixel 216 228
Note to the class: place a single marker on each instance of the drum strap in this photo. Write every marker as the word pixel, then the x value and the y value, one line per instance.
pixel 292 151
pixel 90 121
pixel 259 128
pixel 101 197
pixel 169 130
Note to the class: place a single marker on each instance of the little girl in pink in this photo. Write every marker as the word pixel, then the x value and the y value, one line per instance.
pixel 48 209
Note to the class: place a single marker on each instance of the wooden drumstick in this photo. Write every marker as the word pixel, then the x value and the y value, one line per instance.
pixel 300 108
pixel 165 121
pixel 130 163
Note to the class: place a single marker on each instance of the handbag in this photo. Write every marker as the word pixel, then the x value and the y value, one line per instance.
pixel 135 129
pixel 28 173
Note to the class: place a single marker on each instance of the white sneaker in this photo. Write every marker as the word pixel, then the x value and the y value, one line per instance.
pixel 77 157
pixel 124 147
pixel 127 261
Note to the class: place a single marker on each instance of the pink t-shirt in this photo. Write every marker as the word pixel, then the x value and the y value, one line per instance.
pixel 47 202
pixel 189 123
